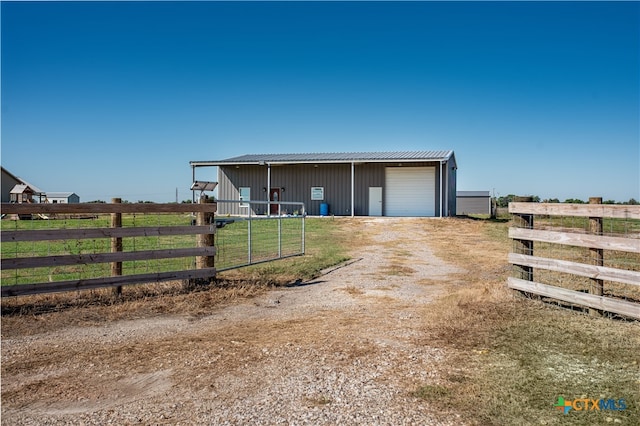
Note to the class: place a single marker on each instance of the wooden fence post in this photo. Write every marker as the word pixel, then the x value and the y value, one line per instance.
pixel 596 255
pixel 205 240
pixel 116 245
pixel 523 246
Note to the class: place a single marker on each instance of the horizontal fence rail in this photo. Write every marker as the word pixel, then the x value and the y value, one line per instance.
pixel 586 255
pixel 63 247
pixel 100 208
pixel 576 210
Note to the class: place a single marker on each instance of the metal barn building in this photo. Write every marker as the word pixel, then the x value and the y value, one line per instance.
pixel 417 183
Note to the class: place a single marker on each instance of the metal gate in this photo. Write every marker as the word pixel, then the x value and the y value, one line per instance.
pixel 250 238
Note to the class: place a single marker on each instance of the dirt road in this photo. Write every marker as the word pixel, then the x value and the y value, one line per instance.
pixel 346 348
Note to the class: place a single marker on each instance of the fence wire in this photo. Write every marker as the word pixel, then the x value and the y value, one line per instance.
pixel 251 238
pixel 240 240
pixel 612 227
pixel 89 270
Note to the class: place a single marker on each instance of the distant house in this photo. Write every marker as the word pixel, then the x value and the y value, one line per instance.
pixel 473 202
pixel 21 193
pixel 17 190
pixel 9 181
pixel 61 198
pixel 420 183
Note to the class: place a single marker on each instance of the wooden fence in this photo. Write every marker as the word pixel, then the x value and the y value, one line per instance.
pixel 202 244
pixel 593 269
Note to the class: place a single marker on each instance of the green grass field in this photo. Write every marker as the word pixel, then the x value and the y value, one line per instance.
pixel 232 242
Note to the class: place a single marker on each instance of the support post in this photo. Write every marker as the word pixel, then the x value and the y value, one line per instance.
pixel 441 194
pixel 596 256
pixel 353 175
pixel 523 246
pixel 249 249
pixel 205 240
pixel 447 210
pixel 268 190
pixel 193 179
pixel 116 246
pixel 279 236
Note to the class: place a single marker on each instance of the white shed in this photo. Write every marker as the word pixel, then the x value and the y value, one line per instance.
pixel 62 197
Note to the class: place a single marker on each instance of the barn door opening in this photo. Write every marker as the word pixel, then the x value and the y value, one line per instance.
pixel 274 195
pixel 410 191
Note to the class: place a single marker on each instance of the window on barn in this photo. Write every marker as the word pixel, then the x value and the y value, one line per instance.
pixel 245 195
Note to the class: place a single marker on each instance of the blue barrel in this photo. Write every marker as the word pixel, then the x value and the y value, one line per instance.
pixel 324 209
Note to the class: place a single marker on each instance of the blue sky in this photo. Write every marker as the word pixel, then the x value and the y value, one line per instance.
pixel 113 99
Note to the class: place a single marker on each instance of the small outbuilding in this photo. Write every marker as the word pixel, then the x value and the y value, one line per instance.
pixel 22 193
pixel 62 197
pixel 473 202
pixel 416 183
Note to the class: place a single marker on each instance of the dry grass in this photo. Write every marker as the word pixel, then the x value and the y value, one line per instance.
pixel 318 401
pixel 512 357
pixel 507 358
pixel 43 313
pixel 352 290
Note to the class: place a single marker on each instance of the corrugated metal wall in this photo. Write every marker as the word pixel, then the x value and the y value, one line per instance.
pixel 8 182
pixel 297 181
pixel 473 205
pixel 451 181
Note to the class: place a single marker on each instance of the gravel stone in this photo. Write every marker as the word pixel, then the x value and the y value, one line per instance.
pixel 345 348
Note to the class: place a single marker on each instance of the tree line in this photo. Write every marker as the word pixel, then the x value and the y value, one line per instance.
pixel 504 201
pixel 500 201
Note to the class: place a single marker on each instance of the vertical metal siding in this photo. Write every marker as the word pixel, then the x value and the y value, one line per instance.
pixel 297 180
pixel 366 175
pixel 474 205
pixel 452 184
pixel 231 178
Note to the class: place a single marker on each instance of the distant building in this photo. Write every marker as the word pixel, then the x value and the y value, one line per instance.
pixel 9 181
pixel 473 202
pixel 21 193
pixel 61 198
pixel 17 190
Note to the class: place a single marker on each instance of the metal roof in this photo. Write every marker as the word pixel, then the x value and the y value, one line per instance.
pixel 20 188
pixel 473 194
pixel 60 194
pixel 35 189
pixel 21 181
pixel 334 157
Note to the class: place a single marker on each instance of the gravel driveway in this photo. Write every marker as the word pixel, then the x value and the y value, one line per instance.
pixel 346 348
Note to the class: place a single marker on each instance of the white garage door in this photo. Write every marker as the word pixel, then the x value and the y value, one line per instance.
pixel 410 191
